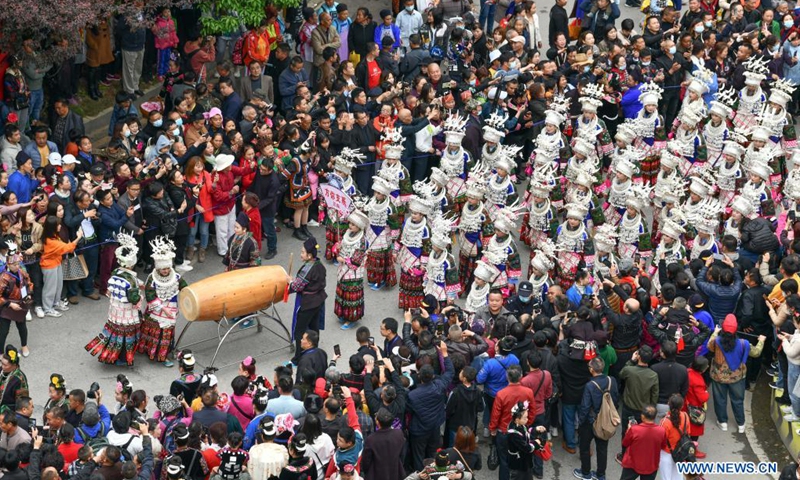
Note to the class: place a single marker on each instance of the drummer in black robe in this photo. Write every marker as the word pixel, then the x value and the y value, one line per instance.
pixel 309 285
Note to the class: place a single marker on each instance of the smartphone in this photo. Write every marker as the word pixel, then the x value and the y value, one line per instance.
pixel 32 422
pixel 336 350
pixel 439 329
pixel 371 341
pixel 636 258
pixel 717 256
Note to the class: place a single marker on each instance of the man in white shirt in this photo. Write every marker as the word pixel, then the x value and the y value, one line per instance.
pixel 122 437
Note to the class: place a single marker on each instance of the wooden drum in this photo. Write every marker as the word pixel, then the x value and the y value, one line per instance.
pixel 233 294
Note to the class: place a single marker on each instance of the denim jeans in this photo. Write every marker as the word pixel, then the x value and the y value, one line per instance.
pixel 202 225
pixel 36 104
pixel 91 254
pixel 794 373
pixel 721 391
pixel 268 227
pixel 568 413
pixel 487 15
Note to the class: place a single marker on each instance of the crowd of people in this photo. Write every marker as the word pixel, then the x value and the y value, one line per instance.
pixel 653 178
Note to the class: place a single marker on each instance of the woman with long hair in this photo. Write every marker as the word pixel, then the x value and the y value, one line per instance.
pixel 203 214
pixel 675 424
pixel 29 240
pixel 465 450
pixel 53 251
pixel 320 445
pixel 697 396
pixel 729 370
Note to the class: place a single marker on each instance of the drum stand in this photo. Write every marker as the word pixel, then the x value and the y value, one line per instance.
pixel 226 327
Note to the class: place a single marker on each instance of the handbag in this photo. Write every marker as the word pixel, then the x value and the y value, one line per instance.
pixel 74 267
pixel 697 415
pixel 494 460
pixel 574 28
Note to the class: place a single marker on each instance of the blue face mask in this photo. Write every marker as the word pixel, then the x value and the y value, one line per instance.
pixel 179 122
pixel 525 299
pixel 158 123
pixel 672 50
pixel 410 9
pixel 332 116
pixel 586 69
pixel 709 24
pixel 176 132
pixel 788 24
pixel 127 133
pixel 699 28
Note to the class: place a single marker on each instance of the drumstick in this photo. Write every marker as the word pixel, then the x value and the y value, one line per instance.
pixel 291 261
pixel 289 278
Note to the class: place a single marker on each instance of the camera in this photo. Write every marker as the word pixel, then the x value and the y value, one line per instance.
pixel 631 420
pixel 335 389
pixel 93 388
pixel 416 311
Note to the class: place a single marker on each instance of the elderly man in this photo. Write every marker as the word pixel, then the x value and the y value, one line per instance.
pixel 65 124
pixel 321 37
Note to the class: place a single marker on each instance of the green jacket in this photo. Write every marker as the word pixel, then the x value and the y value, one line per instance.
pixel 641 386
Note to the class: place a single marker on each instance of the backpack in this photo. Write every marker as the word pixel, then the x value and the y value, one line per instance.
pixel 169 442
pixel 96 443
pixel 684 449
pixel 186 60
pixel 124 449
pixel 238 50
pixel 607 420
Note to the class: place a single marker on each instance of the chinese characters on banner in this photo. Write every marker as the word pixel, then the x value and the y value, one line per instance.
pixel 336 199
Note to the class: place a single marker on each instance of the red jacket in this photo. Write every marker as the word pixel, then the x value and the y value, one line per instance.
pixel 224 199
pixel 541 384
pixel 643 443
pixel 255 225
pixel 505 400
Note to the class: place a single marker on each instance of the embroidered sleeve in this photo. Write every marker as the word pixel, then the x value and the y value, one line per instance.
pixel 298 285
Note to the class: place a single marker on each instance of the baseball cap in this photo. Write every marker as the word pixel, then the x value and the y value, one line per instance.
pixel 525 289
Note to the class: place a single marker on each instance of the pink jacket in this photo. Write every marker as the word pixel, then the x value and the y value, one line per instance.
pixel 165 34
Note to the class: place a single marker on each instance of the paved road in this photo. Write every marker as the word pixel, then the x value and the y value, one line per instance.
pixel 57 346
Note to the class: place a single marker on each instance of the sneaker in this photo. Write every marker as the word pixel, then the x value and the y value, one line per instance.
pixel 595 476
pixel 25 352
pixel 741 428
pixel 577 473
pixel 186 262
pixel 347 325
pixel 785 409
pixel 74 300
pixel 28 316
pixel 722 426
pixel 168 363
pixel 791 417
pixel 313 223
pixel 553 432
pixel 772 372
pixel 54 314
pixel 375 286
pixel 39 312
pixel 774 365
pixel 270 255
pixel 184 268
pixel 774 385
pixel 62 308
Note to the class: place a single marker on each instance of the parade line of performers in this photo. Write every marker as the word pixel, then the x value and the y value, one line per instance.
pixel 653 192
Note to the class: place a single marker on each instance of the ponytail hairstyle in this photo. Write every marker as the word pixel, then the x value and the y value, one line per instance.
pixel 675 404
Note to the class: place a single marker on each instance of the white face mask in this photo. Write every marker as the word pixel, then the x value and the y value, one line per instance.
pixel 645 64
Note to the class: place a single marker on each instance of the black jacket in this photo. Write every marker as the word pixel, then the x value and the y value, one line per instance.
pixel 672 378
pixel 160 214
pixel 559 23
pixel 752 311
pixel 627 326
pixel 177 195
pixel 398 405
pixel 463 406
pixel 270 190
pixel 759 237
pixel 359 36
pixel 315 360
pixel 663 328
pixel 574 375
